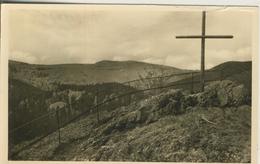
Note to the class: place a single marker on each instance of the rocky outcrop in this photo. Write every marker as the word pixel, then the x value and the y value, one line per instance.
pixel 170 103
pixel 220 93
pixel 175 102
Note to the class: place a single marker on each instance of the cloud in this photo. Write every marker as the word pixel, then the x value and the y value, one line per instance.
pixel 51 36
pixel 215 57
pixel 154 60
pixel 23 56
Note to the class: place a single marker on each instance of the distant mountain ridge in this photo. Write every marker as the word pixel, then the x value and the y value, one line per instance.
pixel 42 76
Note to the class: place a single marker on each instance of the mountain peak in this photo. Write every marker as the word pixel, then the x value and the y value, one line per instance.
pixel 117 62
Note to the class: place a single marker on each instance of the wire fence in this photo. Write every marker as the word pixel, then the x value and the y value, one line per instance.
pixel 51 122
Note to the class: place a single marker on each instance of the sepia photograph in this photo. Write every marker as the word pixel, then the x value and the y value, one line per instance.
pixel 133 83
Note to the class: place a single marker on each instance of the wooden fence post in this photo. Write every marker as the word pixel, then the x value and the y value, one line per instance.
pixel 221 75
pixel 129 99
pixel 97 94
pixel 192 87
pixel 129 96
pixel 125 96
pixel 157 91
pixel 58 121
pixel 117 87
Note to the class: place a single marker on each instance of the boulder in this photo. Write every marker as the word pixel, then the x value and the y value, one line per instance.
pixel 232 95
pixel 208 98
pixel 127 121
pixel 240 95
pixel 189 101
pixel 172 95
pixel 152 117
pixel 173 107
pixel 223 93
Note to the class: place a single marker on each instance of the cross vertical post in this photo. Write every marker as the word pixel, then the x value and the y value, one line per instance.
pixel 203 37
pixel 202 76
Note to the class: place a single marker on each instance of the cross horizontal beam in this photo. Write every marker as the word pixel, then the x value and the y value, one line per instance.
pixel 204 36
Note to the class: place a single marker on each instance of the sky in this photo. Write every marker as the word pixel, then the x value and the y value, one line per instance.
pixel 43 34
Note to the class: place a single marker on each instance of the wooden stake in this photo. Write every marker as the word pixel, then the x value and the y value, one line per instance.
pixel 97 94
pixel 58 121
pixel 192 82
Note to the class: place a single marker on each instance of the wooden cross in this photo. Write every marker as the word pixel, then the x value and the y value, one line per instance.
pixel 203 37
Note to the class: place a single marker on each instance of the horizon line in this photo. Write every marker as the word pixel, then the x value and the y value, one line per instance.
pixel 56 64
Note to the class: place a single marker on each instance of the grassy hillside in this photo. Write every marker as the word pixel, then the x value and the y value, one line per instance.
pixel 165 127
pixel 45 76
pixel 168 126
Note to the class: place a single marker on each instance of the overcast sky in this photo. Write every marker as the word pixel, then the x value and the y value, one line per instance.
pixel 47 35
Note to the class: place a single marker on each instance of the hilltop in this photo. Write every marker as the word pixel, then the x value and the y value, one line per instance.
pixel 238 72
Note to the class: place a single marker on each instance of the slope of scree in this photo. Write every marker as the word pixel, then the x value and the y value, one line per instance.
pixel 213 126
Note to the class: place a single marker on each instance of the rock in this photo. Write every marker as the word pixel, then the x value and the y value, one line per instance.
pixel 224 92
pixel 173 107
pixel 233 95
pixel 109 128
pixel 207 99
pixel 223 97
pixel 164 101
pixel 220 93
pixel 138 116
pixel 174 94
pixel 240 95
pixel 189 101
pixel 152 117
pixel 196 155
pixel 127 121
